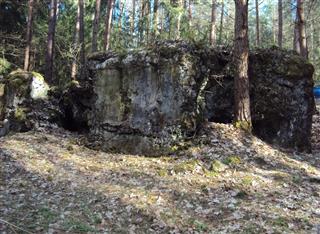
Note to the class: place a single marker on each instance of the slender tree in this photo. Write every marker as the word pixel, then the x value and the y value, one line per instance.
pixel 108 22
pixel 213 23
pixel 50 40
pixel 95 27
pixel 280 23
pixel 79 42
pixel 155 17
pixel 296 40
pixel 301 29
pixel 190 14
pixel 257 24
pixel 221 22
pixel 133 16
pixel 28 36
pixel 242 112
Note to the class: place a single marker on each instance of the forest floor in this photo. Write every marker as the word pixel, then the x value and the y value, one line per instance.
pixel 235 183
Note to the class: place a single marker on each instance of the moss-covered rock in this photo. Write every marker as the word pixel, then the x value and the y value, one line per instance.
pixel 5 67
pixel 282 102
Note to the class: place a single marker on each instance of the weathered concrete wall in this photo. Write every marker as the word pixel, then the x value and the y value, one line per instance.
pixel 145 100
pixel 165 93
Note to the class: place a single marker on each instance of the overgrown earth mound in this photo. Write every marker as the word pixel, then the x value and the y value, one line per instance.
pixel 226 181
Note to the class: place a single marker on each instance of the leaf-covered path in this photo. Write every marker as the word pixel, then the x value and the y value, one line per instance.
pixel 226 182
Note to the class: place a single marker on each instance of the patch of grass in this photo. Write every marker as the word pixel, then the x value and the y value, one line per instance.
pixel 188 166
pixel 20 114
pixel 76 226
pixel 252 229
pixel 200 226
pixel 46 216
pixel 217 166
pixel 281 222
pixel 162 172
pixel 232 161
pixel 211 173
pixel 247 180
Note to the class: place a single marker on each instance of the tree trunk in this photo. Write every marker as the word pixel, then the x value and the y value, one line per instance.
pixel 141 20
pixel 221 22
pixel 213 23
pixel 301 28
pixel 28 36
pixel 190 14
pixel 108 22
pixel 179 5
pixel 242 112
pixel 296 40
pixel 95 28
pixel 79 43
pixel 280 23
pixel 155 18
pixel 133 16
pixel 257 25
pixel 50 40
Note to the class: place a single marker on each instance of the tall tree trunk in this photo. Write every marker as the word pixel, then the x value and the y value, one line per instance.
pixel 28 36
pixel 302 29
pixel 133 16
pixel 213 23
pixel 95 28
pixel 178 30
pixel 190 14
pixel 221 22
pixel 242 112
pixel 257 25
pixel 155 18
pixel 147 19
pixel 79 43
pixel 50 40
pixel 142 20
pixel 280 23
pixel 312 40
pixel 108 22
pixel 296 40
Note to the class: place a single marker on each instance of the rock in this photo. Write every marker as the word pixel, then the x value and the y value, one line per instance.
pixel 5 67
pixel 282 102
pixel 25 102
pixel 39 88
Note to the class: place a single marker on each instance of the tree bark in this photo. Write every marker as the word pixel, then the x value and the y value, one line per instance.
pixel 50 40
pixel 213 23
pixel 280 23
pixel 79 43
pixel 221 22
pixel 242 112
pixel 95 28
pixel 133 16
pixel 108 22
pixel 190 15
pixel 28 36
pixel 296 40
pixel 155 18
pixel 301 28
pixel 257 24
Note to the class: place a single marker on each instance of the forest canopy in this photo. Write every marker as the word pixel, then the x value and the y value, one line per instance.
pixel 139 23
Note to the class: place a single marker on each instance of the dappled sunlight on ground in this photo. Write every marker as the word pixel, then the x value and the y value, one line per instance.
pixel 227 181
